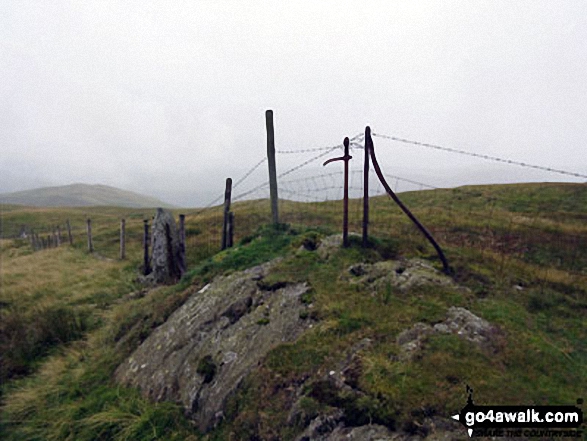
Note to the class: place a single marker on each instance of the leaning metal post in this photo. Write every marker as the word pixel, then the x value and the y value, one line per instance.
pixel 370 147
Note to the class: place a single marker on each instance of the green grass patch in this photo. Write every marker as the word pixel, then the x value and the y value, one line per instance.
pixel 67 320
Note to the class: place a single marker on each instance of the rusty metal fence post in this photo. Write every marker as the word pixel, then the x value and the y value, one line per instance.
pixel 366 189
pixel 345 216
pixel 422 228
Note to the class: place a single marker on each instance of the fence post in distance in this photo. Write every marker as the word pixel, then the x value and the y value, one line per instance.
pixel 227 196
pixel 69 233
pixel 89 231
pixel 122 239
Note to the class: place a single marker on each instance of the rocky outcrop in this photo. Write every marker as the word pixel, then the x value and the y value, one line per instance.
pixel 200 355
pixel 460 322
pixel 331 244
pixel 402 274
pixel 167 258
pixel 372 432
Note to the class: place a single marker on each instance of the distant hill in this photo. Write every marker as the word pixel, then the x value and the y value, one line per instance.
pixel 81 195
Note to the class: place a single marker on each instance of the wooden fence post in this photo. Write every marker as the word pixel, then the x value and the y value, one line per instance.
pixel 146 266
pixel 43 242
pixel 58 236
pixel 69 233
pixel 366 189
pixel 89 231
pixel 33 243
pixel 122 239
pixel 182 259
pixel 38 241
pixel 49 240
pixel 230 230
pixel 272 167
pixel 227 195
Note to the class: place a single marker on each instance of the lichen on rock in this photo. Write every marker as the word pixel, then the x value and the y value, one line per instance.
pixel 459 321
pixel 166 256
pixel 201 354
pixel 402 274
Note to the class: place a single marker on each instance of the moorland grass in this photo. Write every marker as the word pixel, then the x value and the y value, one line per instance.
pixel 533 289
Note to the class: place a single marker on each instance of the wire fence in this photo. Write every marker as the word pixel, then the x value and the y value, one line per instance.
pixel 470 218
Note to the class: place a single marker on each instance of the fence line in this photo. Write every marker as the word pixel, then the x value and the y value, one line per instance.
pixel 479 155
pixel 486 226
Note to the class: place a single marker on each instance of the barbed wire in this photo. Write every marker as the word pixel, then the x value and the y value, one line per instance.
pixel 309 197
pixel 421 184
pixel 479 155
pixel 324 150
pixel 246 193
pixel 317 149
pixel 313 190
pixel 355 172
pixel 320 149
pixel 240 181
pixel 352 173
pixel 326 175
pixel 303 164
pixel 247 174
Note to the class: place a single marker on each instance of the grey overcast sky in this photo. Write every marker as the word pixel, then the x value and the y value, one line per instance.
pixel 168 98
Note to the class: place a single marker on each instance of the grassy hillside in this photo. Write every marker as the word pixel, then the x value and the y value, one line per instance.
pixel 80 195
pixel 68 318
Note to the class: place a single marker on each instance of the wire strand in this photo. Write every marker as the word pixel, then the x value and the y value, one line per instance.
pixel 478 155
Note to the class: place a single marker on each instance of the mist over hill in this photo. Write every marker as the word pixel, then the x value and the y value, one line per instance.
pixel 81 195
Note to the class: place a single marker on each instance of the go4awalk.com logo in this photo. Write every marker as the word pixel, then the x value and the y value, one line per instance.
pixel 529 421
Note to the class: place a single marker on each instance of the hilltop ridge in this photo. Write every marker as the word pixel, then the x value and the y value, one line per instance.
pixel 81 195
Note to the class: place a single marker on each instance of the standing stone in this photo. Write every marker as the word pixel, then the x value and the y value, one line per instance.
pixel 166 248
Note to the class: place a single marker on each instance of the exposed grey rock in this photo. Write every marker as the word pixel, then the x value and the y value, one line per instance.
pixel 330 244
pixel 402 274
pixel 459 321
pixel 200 355
pixel 411 340
pixel 166 254
pixel 345 374
pixel 322 426
pixel 465 324
pixel 434 429
pixel 372 432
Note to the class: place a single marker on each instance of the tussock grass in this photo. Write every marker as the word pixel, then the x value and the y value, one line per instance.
pixel 514 247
